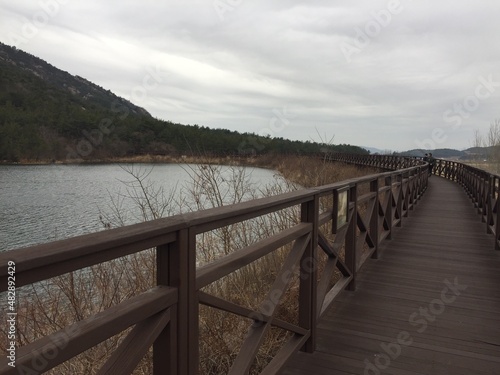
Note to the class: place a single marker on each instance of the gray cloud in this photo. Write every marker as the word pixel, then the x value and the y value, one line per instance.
pixel 234 65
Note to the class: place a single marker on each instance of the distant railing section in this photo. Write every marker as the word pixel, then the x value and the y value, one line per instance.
pixel 342 224
pixel 389 162
pixel 481 186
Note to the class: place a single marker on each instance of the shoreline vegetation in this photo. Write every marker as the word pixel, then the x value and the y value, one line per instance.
pixel 148 158
pixel 240 160
pixel 287 165
pixel 46 307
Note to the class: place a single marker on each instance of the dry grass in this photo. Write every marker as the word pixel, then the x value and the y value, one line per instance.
pixel 310 172
pixel 491 167
pixel 47 307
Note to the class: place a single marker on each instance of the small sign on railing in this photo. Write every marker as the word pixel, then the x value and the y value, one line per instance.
pixel 340 205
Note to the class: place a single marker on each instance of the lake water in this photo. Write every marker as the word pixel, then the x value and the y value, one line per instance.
pixel 43 203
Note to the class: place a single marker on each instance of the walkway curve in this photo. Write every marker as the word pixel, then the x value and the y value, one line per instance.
pixel 429 305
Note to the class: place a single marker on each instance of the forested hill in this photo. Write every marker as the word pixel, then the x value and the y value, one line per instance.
pixel 49 114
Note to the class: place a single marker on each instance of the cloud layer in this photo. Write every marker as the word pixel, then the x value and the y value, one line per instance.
pixel 389 74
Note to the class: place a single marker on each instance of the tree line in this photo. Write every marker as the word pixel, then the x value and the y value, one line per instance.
pixel 48 114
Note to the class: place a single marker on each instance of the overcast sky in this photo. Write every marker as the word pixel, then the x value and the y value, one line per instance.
pixel 394 75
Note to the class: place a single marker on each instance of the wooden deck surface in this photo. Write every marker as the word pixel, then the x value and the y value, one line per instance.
pixel 429 305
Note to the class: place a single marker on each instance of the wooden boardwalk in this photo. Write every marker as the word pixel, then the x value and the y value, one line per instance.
pixel 429 305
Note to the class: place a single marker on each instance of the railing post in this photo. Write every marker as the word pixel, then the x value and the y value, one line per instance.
pixel 411 190
pixel 497 224
pixel 374 230
pixel 388 207
pixel 176 350
pixel 490 211
pixel 399 199
pixel 483 196
pixel 406 194
pixel 422 181
pixel 425 177
pixel 308 275
pixel 165 348
pixel 476 190
pixel 351 258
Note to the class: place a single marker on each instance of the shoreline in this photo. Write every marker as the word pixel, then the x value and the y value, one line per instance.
pixel 261 161
pixel 133 159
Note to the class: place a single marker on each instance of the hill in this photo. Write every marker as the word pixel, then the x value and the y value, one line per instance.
pixel 472 153
pixel 442 153
pixel 49 114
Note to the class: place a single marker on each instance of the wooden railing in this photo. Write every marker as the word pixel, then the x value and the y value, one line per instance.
pixel 483 189
pixel 340 226
pixel 389 162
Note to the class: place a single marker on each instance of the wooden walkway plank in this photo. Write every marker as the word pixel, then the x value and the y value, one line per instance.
pixel 435 287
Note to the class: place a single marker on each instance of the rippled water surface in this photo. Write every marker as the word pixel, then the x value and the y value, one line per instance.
pixel 44 203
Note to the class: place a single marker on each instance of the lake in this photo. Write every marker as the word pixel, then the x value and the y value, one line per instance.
pixel 43 203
